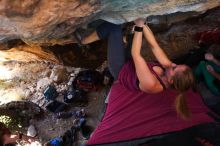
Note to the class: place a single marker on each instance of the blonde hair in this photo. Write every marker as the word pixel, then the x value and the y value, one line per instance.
pixel 182 82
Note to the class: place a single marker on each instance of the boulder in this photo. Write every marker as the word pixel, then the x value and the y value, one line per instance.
pixel 59 74
pixel 43 83
pixel 53 22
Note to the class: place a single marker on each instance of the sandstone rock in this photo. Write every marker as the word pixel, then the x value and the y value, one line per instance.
pixel 42 102
pixel 73 74
pixel 25 53
pixel 35 143
pixel 53 22
pixel 27 94
pixel 70 69
pixel 59 74
pixel 23 109
pixel 10 95
pixel 32 89
pixel 46 73
pixel 63 88
pixel 31 131
pixel 71 81
pixel 43 83
pixel 3 46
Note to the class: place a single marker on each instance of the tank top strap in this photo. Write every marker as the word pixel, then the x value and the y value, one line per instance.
pixel 151 65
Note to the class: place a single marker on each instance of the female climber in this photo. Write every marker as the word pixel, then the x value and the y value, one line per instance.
pixel 146 98
pixel 151 77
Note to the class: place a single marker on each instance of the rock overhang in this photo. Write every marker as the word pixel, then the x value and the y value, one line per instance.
pixel 44 22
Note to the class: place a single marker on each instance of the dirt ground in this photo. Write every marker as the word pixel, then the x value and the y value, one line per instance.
pixel 49 126
pixel 23 81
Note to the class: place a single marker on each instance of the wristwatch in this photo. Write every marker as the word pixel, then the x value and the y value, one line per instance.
pixel 138 29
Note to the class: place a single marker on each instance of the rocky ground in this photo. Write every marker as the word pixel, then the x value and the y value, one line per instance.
pixel 26 80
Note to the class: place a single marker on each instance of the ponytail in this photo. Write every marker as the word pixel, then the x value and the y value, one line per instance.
pixel 182 82
pixel 181 106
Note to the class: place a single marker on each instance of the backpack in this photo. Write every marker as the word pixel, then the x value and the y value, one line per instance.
pixel 56 106
pixel 74 95
pixel 87 80
pixel 50 93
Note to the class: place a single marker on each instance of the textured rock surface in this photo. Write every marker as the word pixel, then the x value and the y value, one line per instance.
pixel 25 53
pixel 53 22
pixel 179 38
pixel 175 38
pixel 24 109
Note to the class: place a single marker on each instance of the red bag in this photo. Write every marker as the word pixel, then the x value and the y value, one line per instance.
pixel 88 80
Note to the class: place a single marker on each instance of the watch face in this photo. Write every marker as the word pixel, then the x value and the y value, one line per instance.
pixel 138 29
